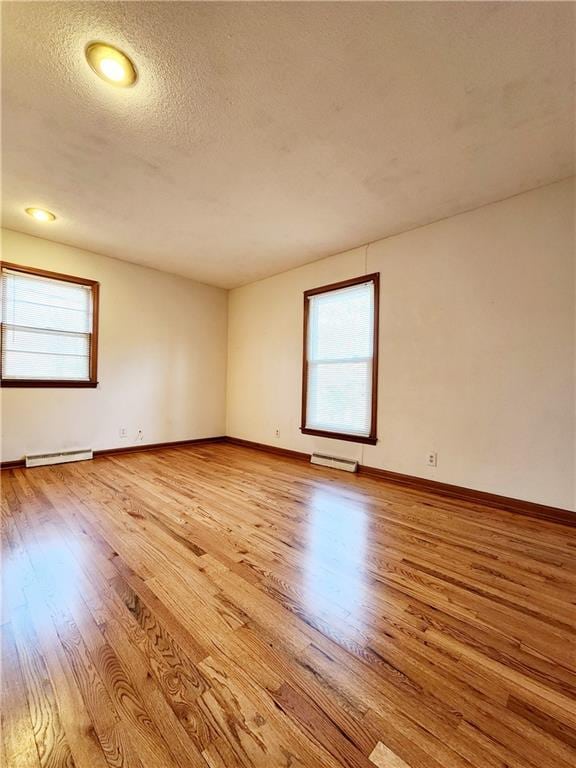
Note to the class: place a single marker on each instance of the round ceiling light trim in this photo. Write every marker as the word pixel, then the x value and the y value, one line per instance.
pixel 111 64
pixel 40 214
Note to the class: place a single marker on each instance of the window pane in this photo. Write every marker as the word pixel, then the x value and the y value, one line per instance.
pixel 35 365
pixel 341 324
pixel 41 303
pixel 339 397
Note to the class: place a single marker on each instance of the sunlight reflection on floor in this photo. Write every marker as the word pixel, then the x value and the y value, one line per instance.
pixel 55 572
pixel 335 575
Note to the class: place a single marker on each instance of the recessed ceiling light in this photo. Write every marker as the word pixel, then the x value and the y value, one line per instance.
pixel 40 214
pixel 111 64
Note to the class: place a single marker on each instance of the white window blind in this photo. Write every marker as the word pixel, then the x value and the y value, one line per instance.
pixel 340 356
pixel 46 328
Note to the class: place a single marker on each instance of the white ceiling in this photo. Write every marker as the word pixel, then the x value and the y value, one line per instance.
pixel 265 135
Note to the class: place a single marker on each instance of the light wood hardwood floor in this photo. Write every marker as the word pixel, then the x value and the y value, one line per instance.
pixel 219 607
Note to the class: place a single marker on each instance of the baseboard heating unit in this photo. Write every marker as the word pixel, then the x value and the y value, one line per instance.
pixel 334 461
pixel 42 459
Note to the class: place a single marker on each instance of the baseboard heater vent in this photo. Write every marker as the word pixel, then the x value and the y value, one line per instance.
pixel 334 461
pixel 42 459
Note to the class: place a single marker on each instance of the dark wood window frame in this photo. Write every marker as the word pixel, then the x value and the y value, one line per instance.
pixel 371 439
pixel 95 288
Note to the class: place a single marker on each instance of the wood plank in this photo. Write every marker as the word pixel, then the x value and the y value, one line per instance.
pixel 383 757
pixel 216 606
pixel 17 732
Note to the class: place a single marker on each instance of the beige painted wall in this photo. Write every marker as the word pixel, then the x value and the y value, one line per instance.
pixel 476 350
pixel 162 361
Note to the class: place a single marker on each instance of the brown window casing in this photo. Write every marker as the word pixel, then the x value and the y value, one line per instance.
pixel 371 439
pixel 95 288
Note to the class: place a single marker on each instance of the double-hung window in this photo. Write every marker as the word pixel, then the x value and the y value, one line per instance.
pixel 340 370
pixel 49 329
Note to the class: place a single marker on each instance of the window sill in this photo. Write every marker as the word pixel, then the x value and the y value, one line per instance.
pixel 48 383
pixel 340 436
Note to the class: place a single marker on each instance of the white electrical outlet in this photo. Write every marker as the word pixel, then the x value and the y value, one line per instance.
pixel 277 432
pixel 123 432
pixel 432 459
pixel 139 435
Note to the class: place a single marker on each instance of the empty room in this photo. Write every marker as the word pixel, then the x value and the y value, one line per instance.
pixel 288 411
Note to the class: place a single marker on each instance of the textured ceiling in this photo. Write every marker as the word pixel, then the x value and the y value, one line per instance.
pixel 265 135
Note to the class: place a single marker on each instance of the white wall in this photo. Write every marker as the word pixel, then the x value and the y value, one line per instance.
pixel 476 350
pixel 162 360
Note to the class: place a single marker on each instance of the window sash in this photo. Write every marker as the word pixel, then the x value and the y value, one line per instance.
pixel 345 425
